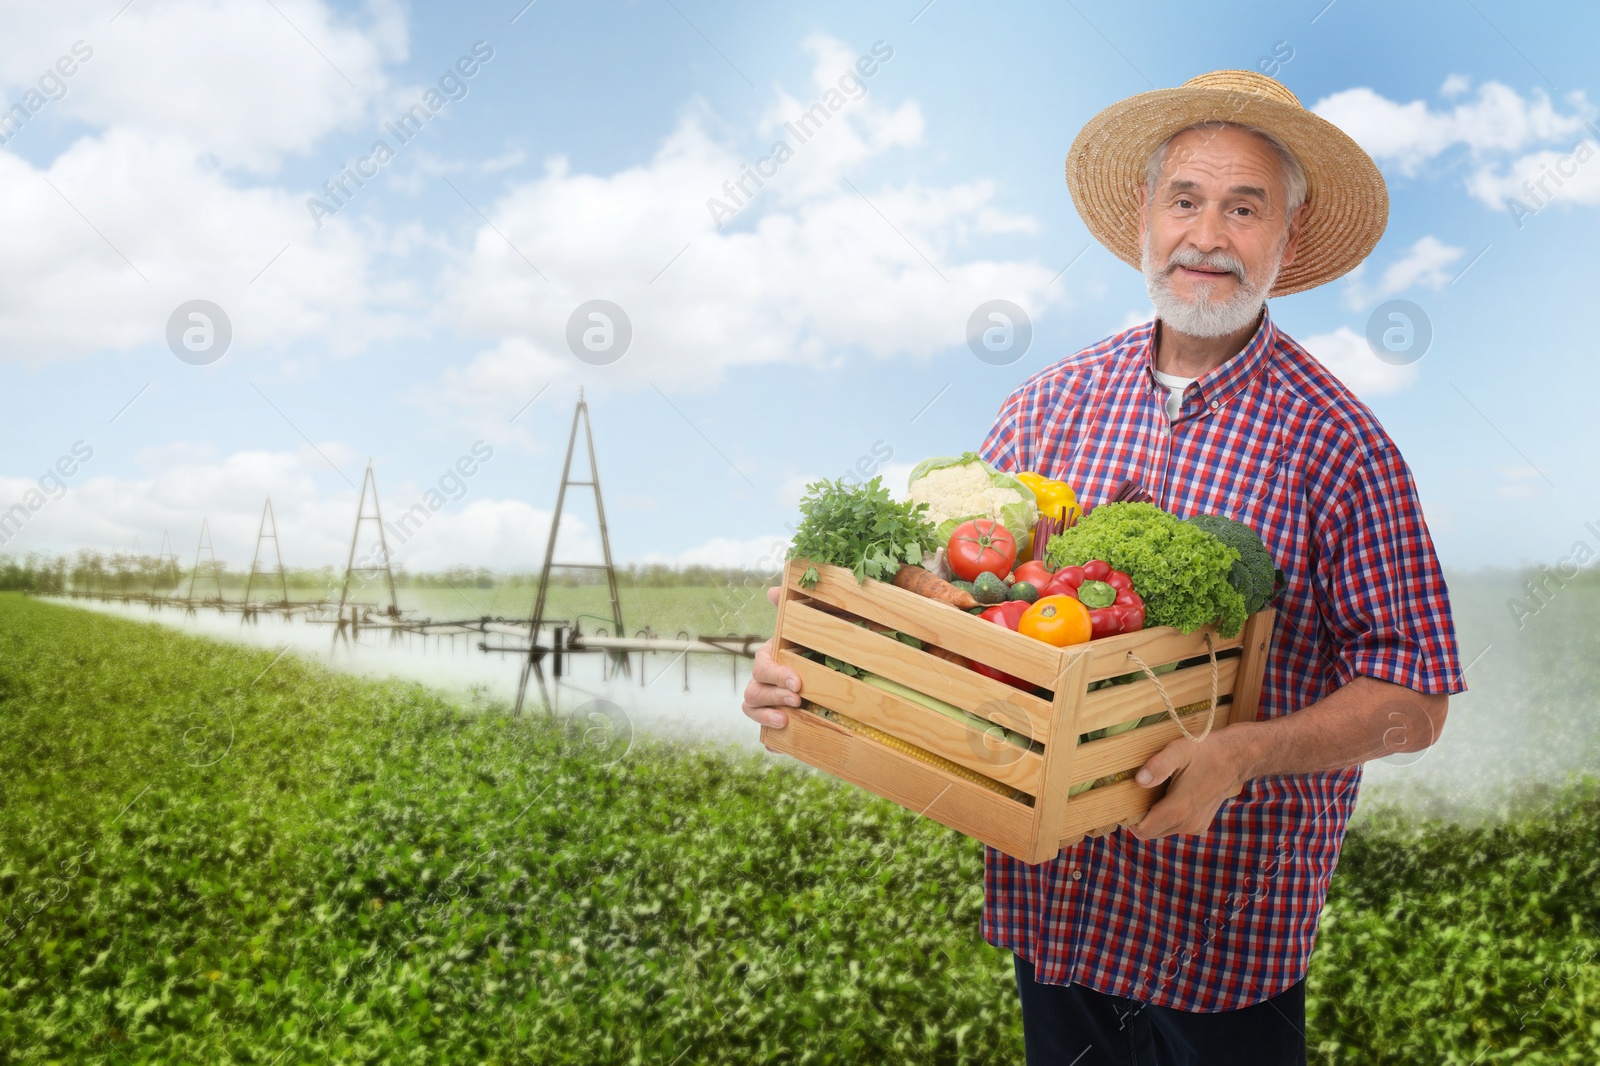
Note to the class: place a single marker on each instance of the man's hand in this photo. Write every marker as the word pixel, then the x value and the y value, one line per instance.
pixel 1204 774
pixel 1361 720
pixel 771 686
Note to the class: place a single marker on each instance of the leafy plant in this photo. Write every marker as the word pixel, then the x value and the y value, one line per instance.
pixel 209 856
pixel 861 528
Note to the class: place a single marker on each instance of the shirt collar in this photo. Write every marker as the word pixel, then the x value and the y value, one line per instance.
pixel 1219 385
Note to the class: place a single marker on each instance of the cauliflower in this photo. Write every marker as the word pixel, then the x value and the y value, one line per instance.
pixel 962 487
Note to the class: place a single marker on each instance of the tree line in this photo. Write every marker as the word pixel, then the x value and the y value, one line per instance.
pixel 135 574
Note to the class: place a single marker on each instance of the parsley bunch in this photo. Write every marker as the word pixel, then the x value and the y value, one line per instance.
pixel 860 527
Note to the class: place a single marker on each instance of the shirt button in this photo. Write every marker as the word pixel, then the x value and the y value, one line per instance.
pixel 1077 875
pixel 1215 404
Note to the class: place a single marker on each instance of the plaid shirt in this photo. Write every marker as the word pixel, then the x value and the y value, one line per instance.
pixel 1226 919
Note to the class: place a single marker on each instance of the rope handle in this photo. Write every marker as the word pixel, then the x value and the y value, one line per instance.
pixel 1172 710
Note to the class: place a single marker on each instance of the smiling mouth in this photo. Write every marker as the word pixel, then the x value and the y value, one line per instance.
pixel 1201 272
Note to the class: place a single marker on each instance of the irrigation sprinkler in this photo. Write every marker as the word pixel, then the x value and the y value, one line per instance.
pixel 350 567
pixel 204 545
pixel 531 666
pixel 563 638
pixel 247 614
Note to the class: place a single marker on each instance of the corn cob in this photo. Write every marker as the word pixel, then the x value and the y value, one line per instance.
pixel 907 748
pixel 1123 775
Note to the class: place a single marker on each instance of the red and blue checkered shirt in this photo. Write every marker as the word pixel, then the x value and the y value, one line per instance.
pixel 1271 438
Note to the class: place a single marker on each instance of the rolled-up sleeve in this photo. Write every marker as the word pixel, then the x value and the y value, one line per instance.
pixel 1378 584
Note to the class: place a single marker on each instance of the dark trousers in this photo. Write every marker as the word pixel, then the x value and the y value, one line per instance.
pixel 1069 1025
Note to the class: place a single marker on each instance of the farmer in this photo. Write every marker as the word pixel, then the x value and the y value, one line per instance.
pixel 1184 938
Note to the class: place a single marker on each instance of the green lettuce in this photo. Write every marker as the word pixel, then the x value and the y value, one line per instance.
pixel 1181 570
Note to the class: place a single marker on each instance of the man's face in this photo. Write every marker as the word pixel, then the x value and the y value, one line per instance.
pixel 1214 236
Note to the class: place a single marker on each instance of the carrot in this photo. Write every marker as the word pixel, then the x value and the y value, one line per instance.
pixel 918 580
pixel 949 656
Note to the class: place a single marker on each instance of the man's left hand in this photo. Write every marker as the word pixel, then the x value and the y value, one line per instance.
pixel 1204 774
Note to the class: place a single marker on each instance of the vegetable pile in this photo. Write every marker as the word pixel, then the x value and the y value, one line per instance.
pixel 1127 562
pixel 1113 570
pixel 1182 571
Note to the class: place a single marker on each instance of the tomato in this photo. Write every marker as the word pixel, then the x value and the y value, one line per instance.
pixel 1104 622
pixel 1034 573
pixel 1001 676
pixel 979 546
pixel 1118 580
pixel 1057 620
pixel 1096 569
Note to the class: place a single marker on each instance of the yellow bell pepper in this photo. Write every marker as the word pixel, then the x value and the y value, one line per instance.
pixel 1053 496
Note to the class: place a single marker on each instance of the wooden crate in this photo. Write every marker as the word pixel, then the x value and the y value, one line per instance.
pixel 1016 799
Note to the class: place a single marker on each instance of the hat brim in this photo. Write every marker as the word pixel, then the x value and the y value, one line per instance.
pixel 1348 197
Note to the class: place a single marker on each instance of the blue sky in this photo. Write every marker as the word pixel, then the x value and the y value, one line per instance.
pixel 821 324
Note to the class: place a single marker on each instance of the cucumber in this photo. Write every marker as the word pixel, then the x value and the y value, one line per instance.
pixel 989 589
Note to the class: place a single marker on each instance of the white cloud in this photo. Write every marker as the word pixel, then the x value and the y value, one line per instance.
pixel 182 94
pixel 1525 152
pixel 498 534
pixel 754 553
pixel 1424 264
pixel 1346 354
pixel 1498 120
pixel 185 485
pixel 245 82
pixel 171 228
pixel 896 477
pixel 1539 179
pixel 809 272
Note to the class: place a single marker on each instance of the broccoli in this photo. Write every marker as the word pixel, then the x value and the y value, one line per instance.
pixel 1254 575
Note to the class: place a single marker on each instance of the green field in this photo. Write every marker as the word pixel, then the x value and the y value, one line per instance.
pixel 208 856
pixel 666 611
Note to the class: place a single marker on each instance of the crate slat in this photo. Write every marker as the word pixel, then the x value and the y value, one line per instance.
pixel 968 808
pixel 967 689
pixel 1156 646
pixel 1128 751
pixel 1060 761
pixel 937 623
pixel 1122 803
pixel 917 724
pixel 1116 704
pixel 1256 640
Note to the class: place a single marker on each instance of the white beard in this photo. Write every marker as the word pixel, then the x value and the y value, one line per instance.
pixel 1207 317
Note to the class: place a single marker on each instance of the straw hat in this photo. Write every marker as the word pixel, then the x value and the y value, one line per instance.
pixel 1348 198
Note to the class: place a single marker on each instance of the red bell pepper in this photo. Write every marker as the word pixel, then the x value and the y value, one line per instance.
pixel 1007 615
pixel 1124 615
